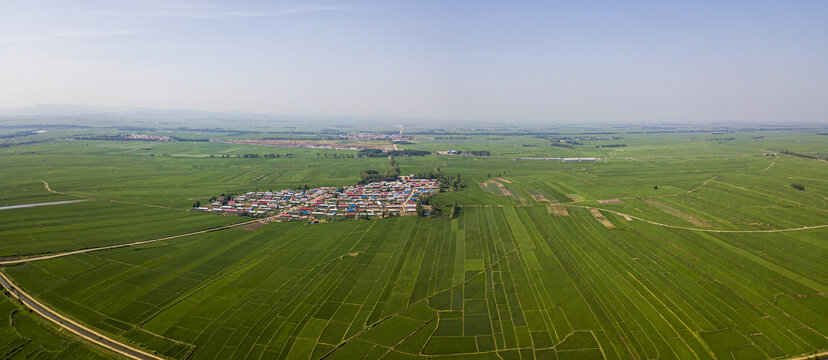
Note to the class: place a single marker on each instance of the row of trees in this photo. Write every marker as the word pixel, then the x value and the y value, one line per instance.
pixel 370 153
pixel 805 156
pixel 447 183
pixel 436 208
pixel 253 156
pixel 474 152
pixel 611 145
pixel 369 176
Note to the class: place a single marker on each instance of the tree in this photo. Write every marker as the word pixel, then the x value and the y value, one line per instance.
pixel 655 187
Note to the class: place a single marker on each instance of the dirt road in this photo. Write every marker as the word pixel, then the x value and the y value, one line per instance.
pixel 699 229
pixel 108 247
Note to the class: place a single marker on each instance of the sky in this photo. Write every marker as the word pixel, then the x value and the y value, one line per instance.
pixel 574 62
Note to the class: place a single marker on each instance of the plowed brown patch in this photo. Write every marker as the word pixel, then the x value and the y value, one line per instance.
pixel 693 219
pixel 600 217
pixel 253 226
pixel 557 210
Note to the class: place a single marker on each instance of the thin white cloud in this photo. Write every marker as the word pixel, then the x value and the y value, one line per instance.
pixel 309 9
pixel 249 14
pixel 59 34
pixel 209 14
pixel 228 14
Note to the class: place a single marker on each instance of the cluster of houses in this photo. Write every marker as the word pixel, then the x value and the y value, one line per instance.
pixel 147 137
pixel 306 144
pixel 385 198
pixel 374 136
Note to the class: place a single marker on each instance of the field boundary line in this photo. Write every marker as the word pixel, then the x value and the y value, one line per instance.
pixel 698 229
pixel 775 197
pixel 806 357
pixel 17 293
pixel 597 290
pixel 209 282
pixel 615 287
pixel 117 246
pixel 49 189
pixel 305 273
pixel 660 301
pixel 702 185
pixel 380 321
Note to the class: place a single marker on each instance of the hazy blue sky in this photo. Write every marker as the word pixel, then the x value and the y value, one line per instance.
pixel 561 62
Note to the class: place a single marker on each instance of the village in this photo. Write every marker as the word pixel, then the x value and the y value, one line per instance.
pixel 376 199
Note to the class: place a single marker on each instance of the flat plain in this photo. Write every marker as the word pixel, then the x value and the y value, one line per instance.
pixel 673 246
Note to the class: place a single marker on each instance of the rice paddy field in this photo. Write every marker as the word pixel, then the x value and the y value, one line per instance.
pixel 702 250
pixel 25 336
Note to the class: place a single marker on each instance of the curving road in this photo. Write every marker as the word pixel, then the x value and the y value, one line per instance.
pixel 73 327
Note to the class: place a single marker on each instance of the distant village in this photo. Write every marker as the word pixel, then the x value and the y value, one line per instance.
pixel 307 144
pixel 375 136
pixel 147 137
pixel 376 199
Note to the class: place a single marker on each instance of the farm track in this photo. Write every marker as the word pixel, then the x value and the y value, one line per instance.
pixel 581 232
pixel 775 197
pixel 49 189
pixel 668 225
pixel 631 157
pixel 375 324
pixel 699 229
pixel 72 326
pixel 109 247
pixel 636 277
pixel 702 185
pixel 812 356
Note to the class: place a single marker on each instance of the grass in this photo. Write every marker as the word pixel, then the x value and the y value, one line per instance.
pixel 88 224
pixel 505 279
pixel 544 282
pixel 24 335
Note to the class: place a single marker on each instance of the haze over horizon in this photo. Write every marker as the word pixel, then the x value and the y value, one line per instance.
pixel 651 62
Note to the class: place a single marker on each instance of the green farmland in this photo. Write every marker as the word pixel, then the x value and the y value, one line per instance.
pixel 674 246
pixel 25 336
